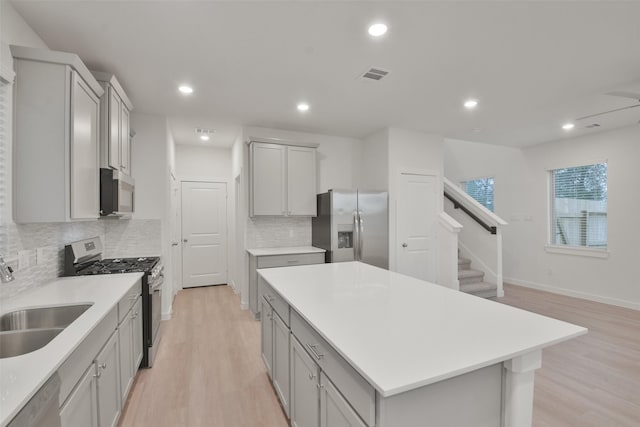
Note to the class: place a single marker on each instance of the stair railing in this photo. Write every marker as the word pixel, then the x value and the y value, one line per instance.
pixel 472 241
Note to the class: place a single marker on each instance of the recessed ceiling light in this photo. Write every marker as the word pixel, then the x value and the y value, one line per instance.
pixel 185 89
pixel 377 30
pixel 204 137
pixel 568 126
pixel 470 104
pixel 303 106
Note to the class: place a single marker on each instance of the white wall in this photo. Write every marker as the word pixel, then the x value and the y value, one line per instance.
pixel 149 160
pixel 195 162
pixel 14 29
pixel 522 199
pixel 374 161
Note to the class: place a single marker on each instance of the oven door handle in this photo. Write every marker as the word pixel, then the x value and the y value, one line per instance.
pixel 157 285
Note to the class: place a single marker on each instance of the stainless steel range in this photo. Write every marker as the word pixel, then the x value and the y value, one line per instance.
pixel 84 258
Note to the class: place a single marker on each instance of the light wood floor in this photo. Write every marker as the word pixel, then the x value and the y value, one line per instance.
pixel 208 371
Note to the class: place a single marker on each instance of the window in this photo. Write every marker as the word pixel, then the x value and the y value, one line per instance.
pixel 480 189
pixel 579 206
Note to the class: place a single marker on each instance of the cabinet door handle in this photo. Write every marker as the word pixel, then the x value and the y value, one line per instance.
pixel 98 375
pixel 314 351
pixel 103 365
pixel 312 376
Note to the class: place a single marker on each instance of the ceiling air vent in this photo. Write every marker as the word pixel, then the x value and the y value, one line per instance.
pixel 593 125
pixel 374 74
pixel 201 131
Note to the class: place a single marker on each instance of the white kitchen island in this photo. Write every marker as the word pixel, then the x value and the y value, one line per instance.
pixel 387 350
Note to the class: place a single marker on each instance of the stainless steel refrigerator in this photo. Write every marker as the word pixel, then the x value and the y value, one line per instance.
pixel 353 225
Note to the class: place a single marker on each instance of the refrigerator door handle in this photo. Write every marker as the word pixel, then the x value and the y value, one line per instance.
pixel 356 236
pixel 360 233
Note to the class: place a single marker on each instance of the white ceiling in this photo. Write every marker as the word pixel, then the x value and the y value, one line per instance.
pixel 532 65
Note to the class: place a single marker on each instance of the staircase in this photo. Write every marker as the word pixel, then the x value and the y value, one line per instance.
pixel 472 281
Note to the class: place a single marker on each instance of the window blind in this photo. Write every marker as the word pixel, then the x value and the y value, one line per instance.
pixel 480 189
pixel 579 206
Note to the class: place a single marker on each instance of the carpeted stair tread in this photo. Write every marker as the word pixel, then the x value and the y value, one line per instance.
pixel 478 287
pixel 466 274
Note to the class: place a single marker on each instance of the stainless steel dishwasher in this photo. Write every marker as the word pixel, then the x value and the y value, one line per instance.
pixel 42 409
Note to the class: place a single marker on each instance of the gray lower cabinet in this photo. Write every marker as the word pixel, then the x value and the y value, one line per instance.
pixel 95 400
pixel 107 372
pixel 280 366
pixel 81 408
pixel 266 326
pixel 137 336
pixel 271 261
pixel 334 409
pixel 130 341
pixel 305 388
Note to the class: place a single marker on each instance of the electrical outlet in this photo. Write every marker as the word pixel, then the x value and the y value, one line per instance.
pixel 23 259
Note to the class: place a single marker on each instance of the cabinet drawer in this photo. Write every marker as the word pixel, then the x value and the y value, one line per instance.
pixel 290 260
pixel 129 300
pixel 274 299
pixel 358 392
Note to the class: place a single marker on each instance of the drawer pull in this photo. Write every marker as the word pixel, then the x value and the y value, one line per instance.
pixel 312 376
pixel 314 351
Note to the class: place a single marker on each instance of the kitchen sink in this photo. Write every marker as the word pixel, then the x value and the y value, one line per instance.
pixel 42 317
pixel 17 343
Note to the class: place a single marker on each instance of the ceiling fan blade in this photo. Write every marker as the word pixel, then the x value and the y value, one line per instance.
pixel 590 116
pixel 623 94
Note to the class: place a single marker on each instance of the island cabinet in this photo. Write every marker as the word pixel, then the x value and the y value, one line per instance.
pixel 370 347
pixel 300 363
pixel 115 129
pixel 275 350
pixel 277 257
pixel 57 106
pixel 282 180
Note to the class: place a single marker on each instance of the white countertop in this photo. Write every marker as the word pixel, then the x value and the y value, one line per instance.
pixel 402 333
pixel 22 376
pixel 285 251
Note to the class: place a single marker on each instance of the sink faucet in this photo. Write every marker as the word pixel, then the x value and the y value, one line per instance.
pixel 6 272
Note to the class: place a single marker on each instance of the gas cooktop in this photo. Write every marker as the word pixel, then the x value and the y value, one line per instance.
pixel 119 265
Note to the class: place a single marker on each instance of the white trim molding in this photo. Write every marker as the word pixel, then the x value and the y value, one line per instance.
pixel 577 251
pixel 571 293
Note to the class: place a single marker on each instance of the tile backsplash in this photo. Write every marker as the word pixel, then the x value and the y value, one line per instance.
pixel 121 238
pixel 274 232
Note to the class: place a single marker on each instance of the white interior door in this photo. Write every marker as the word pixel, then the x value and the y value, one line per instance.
pixel 204 234
pixel 417 216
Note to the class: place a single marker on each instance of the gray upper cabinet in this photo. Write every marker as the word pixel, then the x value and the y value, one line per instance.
pixel 115 138
pixel 283 179
pixel 57 117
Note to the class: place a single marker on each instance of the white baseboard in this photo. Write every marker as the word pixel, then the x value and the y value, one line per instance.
pixel 244 305
pixel 166 316
pixel 572 293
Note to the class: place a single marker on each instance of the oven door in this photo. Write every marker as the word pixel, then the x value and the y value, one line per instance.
pixel 155 301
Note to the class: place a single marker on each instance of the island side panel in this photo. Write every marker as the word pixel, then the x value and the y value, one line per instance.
pixel 469 400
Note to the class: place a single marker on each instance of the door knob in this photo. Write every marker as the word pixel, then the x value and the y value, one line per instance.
pixel 174 243
pixel 404 245
pixel 185 240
